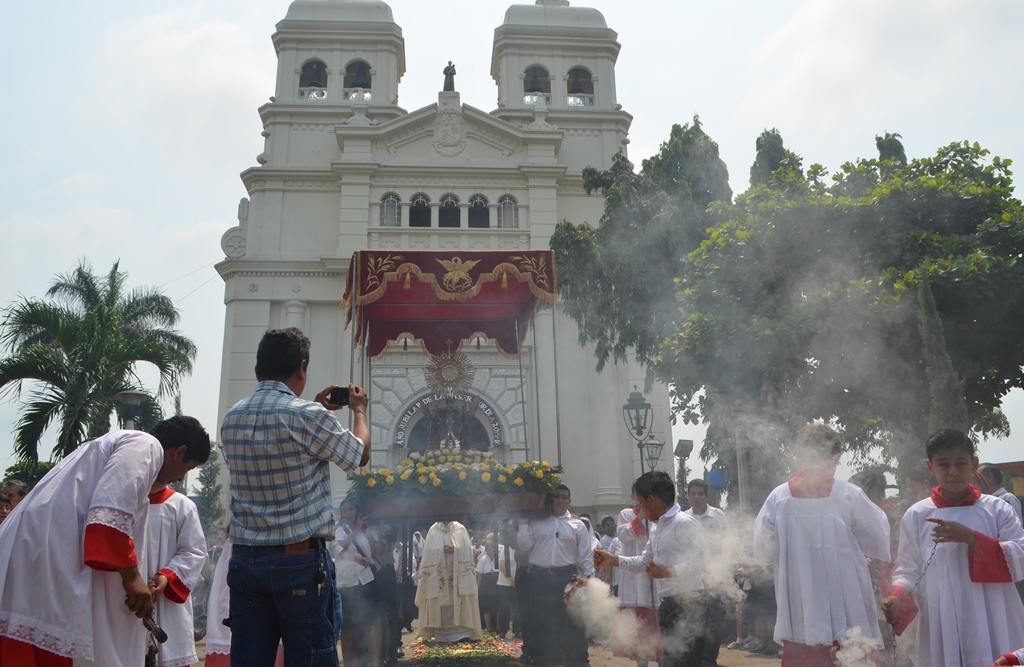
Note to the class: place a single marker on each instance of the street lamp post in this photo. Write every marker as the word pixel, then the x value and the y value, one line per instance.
pixel 130 401
pixel 652 451
pixel 636 414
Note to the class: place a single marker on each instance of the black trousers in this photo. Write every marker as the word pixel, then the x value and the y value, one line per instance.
pixel 557 638
pixel 683 621
pixel 505 597
pixel 715 628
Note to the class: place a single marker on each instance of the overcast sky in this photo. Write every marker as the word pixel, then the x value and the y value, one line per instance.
pixel 127 123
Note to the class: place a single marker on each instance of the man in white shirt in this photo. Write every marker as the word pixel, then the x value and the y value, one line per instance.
pixel 675 557
pixel 995 480
pixel 714 522
pixel 560 546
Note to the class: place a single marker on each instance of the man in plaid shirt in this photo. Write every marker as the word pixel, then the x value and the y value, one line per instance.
pixel 278 448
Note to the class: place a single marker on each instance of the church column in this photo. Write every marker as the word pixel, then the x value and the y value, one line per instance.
pixel 295 314
pixel 546 391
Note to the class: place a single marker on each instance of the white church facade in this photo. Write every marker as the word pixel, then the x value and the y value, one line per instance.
pixel 345 169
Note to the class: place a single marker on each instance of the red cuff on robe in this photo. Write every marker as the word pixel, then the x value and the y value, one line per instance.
pixel 986 561
pixel 908 610
pixel 638 527
pixel 1011 659
pixel 175 591
pixel 107 549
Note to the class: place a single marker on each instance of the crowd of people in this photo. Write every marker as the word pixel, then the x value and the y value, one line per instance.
pixel 829 572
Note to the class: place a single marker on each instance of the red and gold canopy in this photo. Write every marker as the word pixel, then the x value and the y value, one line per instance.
pixel 437 297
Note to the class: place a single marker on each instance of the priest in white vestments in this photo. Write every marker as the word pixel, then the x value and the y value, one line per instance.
pixel 818 531
pixel 447 590
pixel 960 552
pixel 176 553
pixel 73 566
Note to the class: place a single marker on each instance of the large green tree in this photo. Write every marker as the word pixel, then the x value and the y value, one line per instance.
pixel 617 279
pixel 798 300
pixel 79 347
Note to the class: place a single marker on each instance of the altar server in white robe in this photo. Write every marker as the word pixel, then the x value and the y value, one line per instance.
pixel 447 590
pixel 970 612
pixel 73 567
pixel 817 532
pixel 176 553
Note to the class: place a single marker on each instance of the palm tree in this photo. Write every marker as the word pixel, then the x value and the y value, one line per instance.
pixel 81 347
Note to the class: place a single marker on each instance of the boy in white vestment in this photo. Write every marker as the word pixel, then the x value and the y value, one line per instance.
pixel 960 552
pixel 818 531
pixel 73 565
pixel 176 550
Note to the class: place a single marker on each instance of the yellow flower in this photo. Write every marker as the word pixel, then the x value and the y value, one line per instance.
pixel 406 463
pixel 519 481
pixel 545 464
pixel 431 462
pixel 486 476
pixel 502 478
pixel 390 479
pixel 385 472
pixel 432 475
pixel 371 482
pixel 365 471
pixel 405 476
pixel 462 474
pixel 540 474
pixel 442 459
pixel 437 481
pixel 423 480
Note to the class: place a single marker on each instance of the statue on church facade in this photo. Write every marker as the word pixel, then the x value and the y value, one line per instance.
pixel 449 78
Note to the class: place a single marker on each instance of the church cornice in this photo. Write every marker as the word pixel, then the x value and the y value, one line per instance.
pixel 232 268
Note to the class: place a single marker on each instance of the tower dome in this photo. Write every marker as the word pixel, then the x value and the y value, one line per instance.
pixel 358 11
pixel 555 13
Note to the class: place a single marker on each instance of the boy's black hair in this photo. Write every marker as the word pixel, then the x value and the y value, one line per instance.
pixel 280 353
pixel 817 442
pixel 698 482
pixel 181 430
pixel 606 520
pixel 4 500
pixel 658 484
pixel 948 438
pixel 563 487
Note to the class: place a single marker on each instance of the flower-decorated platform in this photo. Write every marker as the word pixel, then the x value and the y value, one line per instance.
pixel 456 485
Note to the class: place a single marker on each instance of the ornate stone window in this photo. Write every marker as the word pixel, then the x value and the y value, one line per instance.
pixel 358 80
pixel 508 212
pixel 448 213
pixel 580 88
pixel 313 81
pixel 390 210
pixel 536 85
pixel 479 212
pixel 419 211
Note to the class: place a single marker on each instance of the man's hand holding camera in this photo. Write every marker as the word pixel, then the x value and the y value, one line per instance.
pixel 357 399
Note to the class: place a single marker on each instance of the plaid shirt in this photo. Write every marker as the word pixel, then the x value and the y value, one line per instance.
pixel 277 448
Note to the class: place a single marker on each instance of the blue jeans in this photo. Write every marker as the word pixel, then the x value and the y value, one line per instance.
pixel 275 597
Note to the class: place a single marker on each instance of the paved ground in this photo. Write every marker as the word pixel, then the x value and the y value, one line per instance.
pixel 601 656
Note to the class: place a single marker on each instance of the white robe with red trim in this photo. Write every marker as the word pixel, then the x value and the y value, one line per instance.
pixel 818 549
pixel 963 622
pixel 177 550
pixel 91 508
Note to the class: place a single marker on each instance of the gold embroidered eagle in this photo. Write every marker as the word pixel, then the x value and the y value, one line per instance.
pixel 457 278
